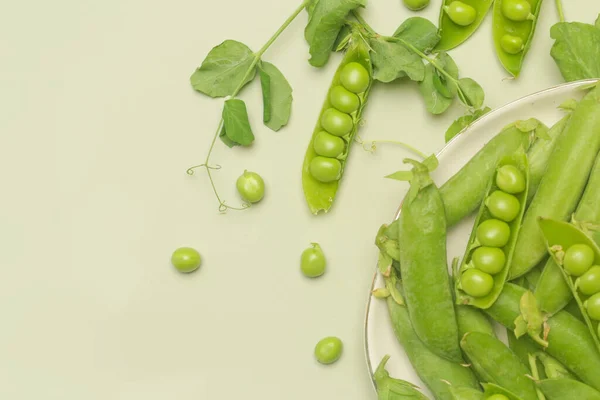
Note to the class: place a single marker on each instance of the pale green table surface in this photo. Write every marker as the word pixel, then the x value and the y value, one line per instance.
pixel 98 125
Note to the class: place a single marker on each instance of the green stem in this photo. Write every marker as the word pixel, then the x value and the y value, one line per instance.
pixel 535 373
pixel 222 206
pixel 406 146
pixel 364 23
pixel 559 8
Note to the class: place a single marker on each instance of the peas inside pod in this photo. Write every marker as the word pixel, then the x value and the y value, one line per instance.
pixel 578 259
pixel 460 13
pixel 517 10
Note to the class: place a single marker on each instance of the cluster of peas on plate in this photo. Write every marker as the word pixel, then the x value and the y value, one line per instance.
pixel 337 123
pixel 494 233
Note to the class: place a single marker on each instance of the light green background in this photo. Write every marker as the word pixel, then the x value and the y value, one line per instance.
pixel 97 126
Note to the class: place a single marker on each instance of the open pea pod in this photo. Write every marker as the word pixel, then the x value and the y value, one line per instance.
pixel 323 165
pixel 452 34
pixel 469 261
pixel 513 34
pixel 560 236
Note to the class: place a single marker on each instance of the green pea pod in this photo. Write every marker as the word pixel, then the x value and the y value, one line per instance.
pixel 554 292
pixel 560 236
pixel 496 363
pixel 532 278
pixel 437 373
pixel 452 34
pixel 553 369
pixel 424 267
pixel 519 161
pixel 319 194
pixel 563 183
pixel 511 55
pixel 523 347
pixel 567 389
pixel 573 309
pixel 465 393
pixel 471 319
pixel 465 190
pixel 569 340
pixel 389 388
pixel 491 389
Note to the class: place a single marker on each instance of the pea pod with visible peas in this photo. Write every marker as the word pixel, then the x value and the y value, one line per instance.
pixel 332 139
pixel 423 264
pixel 563 183
pixel 576 253
pixel 513 26
pixel 567 389
pixel 569 340
pixel 486 262
pixel 459 20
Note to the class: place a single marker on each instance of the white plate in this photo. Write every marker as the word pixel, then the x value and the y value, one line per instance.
pixel 379 336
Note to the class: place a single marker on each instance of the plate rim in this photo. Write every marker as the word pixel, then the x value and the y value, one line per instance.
pixel 459 137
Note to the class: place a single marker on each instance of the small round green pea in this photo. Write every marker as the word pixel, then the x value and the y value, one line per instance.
pixel 416 5
pixel 343 99
pixel 517 10
pixel 355 77
pixel 511 44
pixel 592 305
pixel 336 122
pixel 497 396
pixel 490 260
pixel 578 259
pixel 251 187
pixel 325 169
pixel 312 261
pixel 503 206
pixel 327 145
pixel 493 233
pixel 476 283
pixel 186 259
pixel 510 179
pixel 589 283
pixel 460 13
pixel 329 350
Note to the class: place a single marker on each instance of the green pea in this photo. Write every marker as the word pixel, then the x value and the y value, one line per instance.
pixel 328 350
pixel 355 77
pixel 592 305
pixel 517 10
pixel 460 13
pixel 344 100
pixel 325 144
pixel 416 5
pixel 578 259
pixel 493 233
pixel 510 179
pixel 186 259
pixel 251 186
pixel 476 283
pixel 589 283
pixel 490 260
pixel 503 206
pixel 512 44
pixel 312 261
pixel 336 122
pixel 325 169
pixel 497 397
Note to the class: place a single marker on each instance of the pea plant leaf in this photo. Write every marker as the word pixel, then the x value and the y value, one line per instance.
pixel 223 69
pixel 435 102
pixel 236 127
pixel 277 96
pixel 326 18
pixel 462 122
pixel 576 50
pixel 470 93
pixel 419 32
pixel 389 388
pixel 392 60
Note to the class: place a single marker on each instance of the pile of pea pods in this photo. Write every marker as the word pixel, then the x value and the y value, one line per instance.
pixel 532 265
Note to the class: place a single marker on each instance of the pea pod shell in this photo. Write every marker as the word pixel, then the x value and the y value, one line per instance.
pixel 320 195
pixel 563 183
pixel 559 236
pixel 433 370
pixel 496 363
pixel 567 389
pixel 465 393
pixel 519 161
pixel 471 319
pixel 522 347
pixel 424 268
pixel 492 389
pixel 569 340
pixel 452 34
pixel 524 29
pixel 465 190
